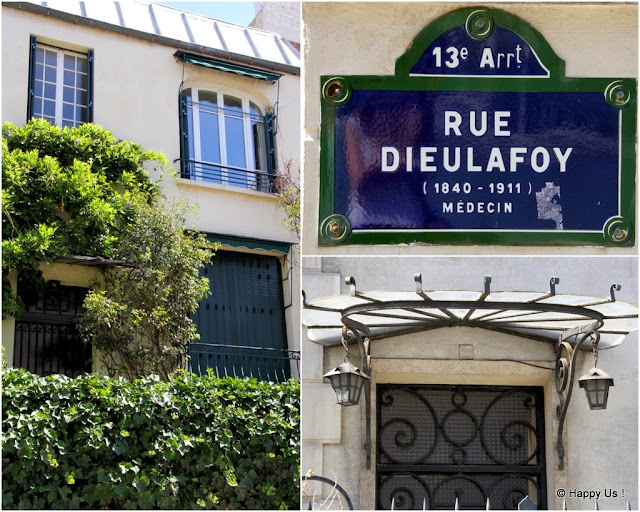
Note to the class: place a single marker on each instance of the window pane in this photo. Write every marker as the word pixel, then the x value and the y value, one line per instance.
pixel 81 114
pixel 50 91
pixel 232 105
pixel 39 55
pixel 37 88
pixel 69 78
pixel 51 58
pixel 39 71
pixel 235 151
pixel 209 137
pixel 49 108
pixel 81 64
pixel 259 149
pixel 50 74
pixel 66 122
pixel 253 108
pixel 67 111
pixel 208 100
pixel 235 142
pixel 37 108
pixel 81 81
pixel 68 94
pixel 81 97
pixel 69 62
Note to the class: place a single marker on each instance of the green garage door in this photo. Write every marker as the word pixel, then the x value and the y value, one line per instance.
pixel 241 324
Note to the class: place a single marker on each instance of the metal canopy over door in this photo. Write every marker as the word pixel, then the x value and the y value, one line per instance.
pixel 241 324
pixel 472 443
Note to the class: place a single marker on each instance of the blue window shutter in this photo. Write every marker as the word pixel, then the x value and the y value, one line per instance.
pixel 244 310
pixel 270 142
pixel 184 136
pixel 90 86
pixel 32 76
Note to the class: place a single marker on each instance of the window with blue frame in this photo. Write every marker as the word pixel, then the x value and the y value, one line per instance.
pixel 60 85
pixel 226 139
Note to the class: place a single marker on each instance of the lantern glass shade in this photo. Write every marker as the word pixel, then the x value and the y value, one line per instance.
pixel 347 382
pixel 596 384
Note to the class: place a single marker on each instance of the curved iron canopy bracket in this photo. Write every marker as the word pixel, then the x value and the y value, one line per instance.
pixel 350 331
pixel 566 354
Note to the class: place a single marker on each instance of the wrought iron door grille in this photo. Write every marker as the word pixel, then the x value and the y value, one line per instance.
pixel 46 339
pixel 473 443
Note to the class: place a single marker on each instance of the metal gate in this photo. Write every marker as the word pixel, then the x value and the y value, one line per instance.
pixel 464 443
pixel 242 324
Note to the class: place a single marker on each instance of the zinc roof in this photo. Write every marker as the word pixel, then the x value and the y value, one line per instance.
pixel 166 25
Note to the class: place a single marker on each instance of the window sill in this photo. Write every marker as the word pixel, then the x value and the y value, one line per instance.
pixel 182 182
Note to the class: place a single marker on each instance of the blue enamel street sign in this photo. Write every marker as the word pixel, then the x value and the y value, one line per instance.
pixel 480 160
pixel 479 138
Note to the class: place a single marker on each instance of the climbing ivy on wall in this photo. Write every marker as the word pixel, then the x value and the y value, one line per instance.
pixel 66 191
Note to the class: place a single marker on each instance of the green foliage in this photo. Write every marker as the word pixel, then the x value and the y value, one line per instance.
pixel 66 191
pixel 191 443
pixel 139 320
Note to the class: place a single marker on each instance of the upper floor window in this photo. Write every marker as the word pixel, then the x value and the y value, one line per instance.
pixel 59 85
pixel 226 139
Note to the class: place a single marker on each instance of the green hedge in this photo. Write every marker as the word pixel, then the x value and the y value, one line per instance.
pixel 194 442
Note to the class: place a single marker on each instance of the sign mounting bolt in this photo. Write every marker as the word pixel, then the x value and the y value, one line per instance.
pixel 335 89
pixel 619 234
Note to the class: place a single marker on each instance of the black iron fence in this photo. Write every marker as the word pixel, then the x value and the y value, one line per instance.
pixel 270 364
pixel 262 181
pixel 526 504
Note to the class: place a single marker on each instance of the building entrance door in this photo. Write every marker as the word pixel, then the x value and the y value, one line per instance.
pixel 473 443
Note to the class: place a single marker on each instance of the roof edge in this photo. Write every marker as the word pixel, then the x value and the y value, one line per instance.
pixel 153 38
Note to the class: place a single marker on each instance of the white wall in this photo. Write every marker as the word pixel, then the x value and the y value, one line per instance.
pixel 361 38
pixel 136 97
pixel 136 86
pixel 280 17
pixel 601 446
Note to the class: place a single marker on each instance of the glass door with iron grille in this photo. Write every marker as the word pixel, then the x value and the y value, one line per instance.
pixel 436 444
pixel 46 339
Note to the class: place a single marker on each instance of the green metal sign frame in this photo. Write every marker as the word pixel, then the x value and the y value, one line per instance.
pixel 621 93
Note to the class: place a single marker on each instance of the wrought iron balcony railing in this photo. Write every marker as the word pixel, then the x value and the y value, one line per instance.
pixel 270 364
pixel 261 181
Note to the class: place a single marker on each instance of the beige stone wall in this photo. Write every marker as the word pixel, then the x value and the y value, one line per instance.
pixel 366 38
pixel 601 446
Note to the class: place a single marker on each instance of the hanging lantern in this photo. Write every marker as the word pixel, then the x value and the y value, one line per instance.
pixel 347 382
pixel 596 384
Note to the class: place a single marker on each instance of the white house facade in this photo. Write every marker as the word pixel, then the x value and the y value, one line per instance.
pixel 223 103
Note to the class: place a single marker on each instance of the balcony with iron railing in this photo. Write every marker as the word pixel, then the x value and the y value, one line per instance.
pixel 268 364
pixel 261 181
